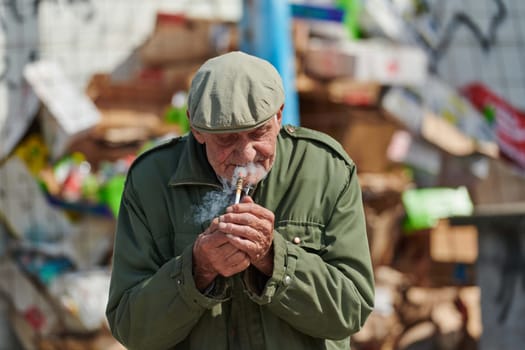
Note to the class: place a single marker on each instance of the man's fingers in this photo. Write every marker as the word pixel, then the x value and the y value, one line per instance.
pixel 247 199
pixel 238 257
pixel 227 251
pixel 236 262
pixel 259 223
pixel 247 205
pixel 255 250
pixel 254 231
pixel 241 243
pixel 212 240
pixel 252 208
pixel 245 218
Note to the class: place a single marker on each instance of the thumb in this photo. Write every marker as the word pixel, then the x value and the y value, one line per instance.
pixel 247 199
pixel 244 200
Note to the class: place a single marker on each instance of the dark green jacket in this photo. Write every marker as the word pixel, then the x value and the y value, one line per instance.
pixel 321 290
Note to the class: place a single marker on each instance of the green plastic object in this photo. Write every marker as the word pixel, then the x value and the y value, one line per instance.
pixel 424 207
pixel 176 113
pixel 111 193
pixel 352 9
pixel 490 114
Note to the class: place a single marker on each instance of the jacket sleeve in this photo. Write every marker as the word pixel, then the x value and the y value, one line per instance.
pixel 330 293
pixel 153 303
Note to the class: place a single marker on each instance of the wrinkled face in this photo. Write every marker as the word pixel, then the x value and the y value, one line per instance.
pixel 228 151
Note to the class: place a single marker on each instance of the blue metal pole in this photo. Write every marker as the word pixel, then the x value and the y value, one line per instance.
pixel 265 31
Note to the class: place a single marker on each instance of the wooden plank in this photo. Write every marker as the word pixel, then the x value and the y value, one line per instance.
pixel 506 215
pixel 503 184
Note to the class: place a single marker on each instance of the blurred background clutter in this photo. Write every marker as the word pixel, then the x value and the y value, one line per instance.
pixel 427 97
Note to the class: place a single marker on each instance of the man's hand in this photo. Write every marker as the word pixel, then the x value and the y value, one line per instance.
pixel 249 227
pixel 213 254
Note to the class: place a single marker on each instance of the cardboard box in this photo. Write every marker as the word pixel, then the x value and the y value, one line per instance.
pixel 340 90
pixel 454 244
pixel 439 115
pixel 364 60
pixel 504 185
pixel 177 38
pixel 414 258
pixel 68 111
pixel 364 133
pixel 150 95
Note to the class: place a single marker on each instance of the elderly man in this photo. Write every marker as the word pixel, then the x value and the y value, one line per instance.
pixel 279 260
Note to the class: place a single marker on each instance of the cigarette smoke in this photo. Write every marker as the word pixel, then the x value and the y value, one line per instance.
pixel 214 203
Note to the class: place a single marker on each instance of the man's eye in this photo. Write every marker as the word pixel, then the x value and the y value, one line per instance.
pixel 225 140
pixel 258 134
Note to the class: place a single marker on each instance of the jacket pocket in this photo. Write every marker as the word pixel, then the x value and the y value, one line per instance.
pixel 307 235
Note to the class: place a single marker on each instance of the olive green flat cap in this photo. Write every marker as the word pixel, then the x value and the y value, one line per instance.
pixel 234 92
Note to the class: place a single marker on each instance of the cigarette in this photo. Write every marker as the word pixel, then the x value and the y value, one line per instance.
pixel 238 190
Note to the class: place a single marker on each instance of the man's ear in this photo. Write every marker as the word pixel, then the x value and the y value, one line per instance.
pixel 280 115
pixel 198 136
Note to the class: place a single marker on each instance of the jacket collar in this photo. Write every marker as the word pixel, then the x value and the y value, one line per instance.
pixel 193 167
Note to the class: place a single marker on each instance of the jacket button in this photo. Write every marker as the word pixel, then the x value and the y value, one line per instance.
pixel 296 240
pixel 290 128
pixel 287 280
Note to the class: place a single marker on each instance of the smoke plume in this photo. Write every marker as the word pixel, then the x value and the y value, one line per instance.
pixel 214 203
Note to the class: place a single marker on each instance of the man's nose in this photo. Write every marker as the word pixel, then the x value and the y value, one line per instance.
pixel 246 152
